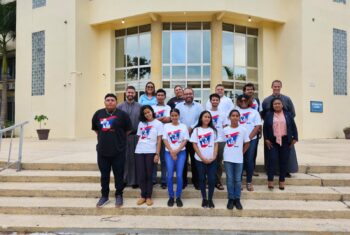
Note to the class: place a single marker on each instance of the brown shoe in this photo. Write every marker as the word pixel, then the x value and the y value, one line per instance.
pixel 149 202
pixel 270 185
pixel 281 185
pixel 250 187
pixel 141 201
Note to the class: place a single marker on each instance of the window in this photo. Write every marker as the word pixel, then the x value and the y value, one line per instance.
pixel 239 58
pixel 339 62
pixel 340 1
pixel 38 63
pixel 38 3
pixel 186 48
pixel 132 58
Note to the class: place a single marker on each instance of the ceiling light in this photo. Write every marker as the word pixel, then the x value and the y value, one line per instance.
pixel 249 19
pixel 123 21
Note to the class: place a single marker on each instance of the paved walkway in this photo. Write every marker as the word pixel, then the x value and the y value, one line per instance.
pixel 328 152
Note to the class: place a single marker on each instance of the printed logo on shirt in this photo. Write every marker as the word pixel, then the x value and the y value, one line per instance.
pixel 160 113
pixel 254 106
pixel 244 118
pixel 204 140
pixel 174 136
pixel 215 119
pixel 231 139
pixel 107 123
pixel 145 132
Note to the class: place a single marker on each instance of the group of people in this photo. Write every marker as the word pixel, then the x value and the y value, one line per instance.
pixel 133 137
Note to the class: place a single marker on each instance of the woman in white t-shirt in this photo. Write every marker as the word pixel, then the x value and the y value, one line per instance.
pixel 236 144
pixel 147 150
pixel 205 143
pixel 250 119
pixel 175 137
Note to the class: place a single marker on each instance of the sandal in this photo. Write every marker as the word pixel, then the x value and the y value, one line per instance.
pixel 219 186
pixel 281 185
pixel 250 187
pixel 270 185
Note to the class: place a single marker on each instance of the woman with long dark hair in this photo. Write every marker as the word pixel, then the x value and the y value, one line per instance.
pixel 205 143
pixel 280 134
pixel 147 150
pixel 149 97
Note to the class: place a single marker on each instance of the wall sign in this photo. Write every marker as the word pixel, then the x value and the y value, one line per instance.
pixel 316 106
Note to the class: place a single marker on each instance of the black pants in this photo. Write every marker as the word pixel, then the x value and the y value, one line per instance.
pixel 207 171
pixel 144 169
pixel 278 154
pixel 190 151
pixel 117 164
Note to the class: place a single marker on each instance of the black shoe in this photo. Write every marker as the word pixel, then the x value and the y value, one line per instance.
pixel 211 204
pixel 288 175
pixel 219 186
pixel 179 202
pixel 163 186
pixel 171 202
pixel 205 203
pixel 196 187
pixel 154 183
pixel 134 186
pixel 184 186
pixel 230 204
pixel 238 204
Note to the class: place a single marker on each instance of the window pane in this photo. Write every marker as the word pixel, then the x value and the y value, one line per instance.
pixel 194 46
pixel 178 26
pixel 240 50
pixel 206 94
pixel 206 46
pixel 252 52
pixel 240 74
pixel 227 73
pixel 252 31
pixel 194 72
pixel 119 53
pixel 131 31
pixel 228 27
pixel 240 29
pixel 178 72
pixel 206 84
pixel 145 73
pixel 166 26
pixel 252 75
pixel 145 49
pixel 206 25
pixel 120 76
pixel 227 49
pixel 132 74
pixel 145 28
pixel 132 50
pixel 119 33
pixel 206 71
pixel 166 84
pixel 166 72
pixel 178 47
pixel 194 25
pixel 120 87
pixel 166 47
pixel 194 84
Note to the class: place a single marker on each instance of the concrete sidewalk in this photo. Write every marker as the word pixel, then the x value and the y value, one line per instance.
pixel 322 152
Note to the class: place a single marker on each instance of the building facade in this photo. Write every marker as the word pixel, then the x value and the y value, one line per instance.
pixel 70 53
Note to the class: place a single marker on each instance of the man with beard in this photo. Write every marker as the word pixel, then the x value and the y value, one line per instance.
pixel 132 108
pixel 189 114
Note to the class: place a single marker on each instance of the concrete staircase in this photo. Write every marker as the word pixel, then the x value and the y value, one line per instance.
pixel 61 198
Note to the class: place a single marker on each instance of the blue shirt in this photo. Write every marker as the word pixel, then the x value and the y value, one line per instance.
pixel 189 113
pixel 144 100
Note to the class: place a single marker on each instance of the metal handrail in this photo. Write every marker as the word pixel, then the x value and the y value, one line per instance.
pixel 12 129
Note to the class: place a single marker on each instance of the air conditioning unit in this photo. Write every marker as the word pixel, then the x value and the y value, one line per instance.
pixel 11 86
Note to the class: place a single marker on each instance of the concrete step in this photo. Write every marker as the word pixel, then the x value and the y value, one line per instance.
pixel 124 224
pixel 92 190
pixel 192 207
pixel 10 175
pixel 306 168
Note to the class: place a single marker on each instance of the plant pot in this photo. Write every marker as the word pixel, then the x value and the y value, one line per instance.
pixel 43 134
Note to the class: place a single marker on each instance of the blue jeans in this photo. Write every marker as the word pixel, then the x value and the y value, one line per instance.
pixel 233 179
pixel 162 167
pixel 249 159
pixel 206 171
pixel 179 165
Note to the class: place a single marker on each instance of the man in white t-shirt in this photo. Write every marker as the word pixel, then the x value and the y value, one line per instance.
pixel 218 117
pixel 162 112
pixel 226 104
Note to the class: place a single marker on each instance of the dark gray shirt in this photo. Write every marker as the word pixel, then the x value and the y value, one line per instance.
pixel 133 110
pixel 287 104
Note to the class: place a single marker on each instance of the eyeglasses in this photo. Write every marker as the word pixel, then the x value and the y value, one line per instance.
pixel 150 86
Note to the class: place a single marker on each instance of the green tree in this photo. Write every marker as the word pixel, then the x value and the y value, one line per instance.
pixel 7 33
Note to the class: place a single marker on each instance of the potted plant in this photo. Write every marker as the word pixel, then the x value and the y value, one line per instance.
pixel 346 131
pixel 43 134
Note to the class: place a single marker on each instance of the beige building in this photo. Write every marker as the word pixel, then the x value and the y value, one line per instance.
pixel 70 53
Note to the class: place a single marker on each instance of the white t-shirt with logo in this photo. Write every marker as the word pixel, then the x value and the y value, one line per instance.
pixel 161 111
pixel 249 119
pixel 255 105
pixel 219 121
pixel 175 135
pixel 205 139
pixel 235 139
pixel 148 133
